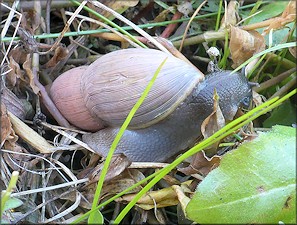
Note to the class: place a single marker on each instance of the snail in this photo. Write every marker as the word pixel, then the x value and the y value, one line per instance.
pixel 99 97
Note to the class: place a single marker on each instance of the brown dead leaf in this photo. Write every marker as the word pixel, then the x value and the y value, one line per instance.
pixel 13 103
pixel 231 16
pixel 15 75
pixel 244 44
pixel 60 53
pixel 258 99
pixel 214 121
pixel 19 54
pixel 182 198
pixel 201 164
pixel 27 67
pixel 119 163
pixel 157 199
pixel 30 21
pixel 122 182
pixel 288 16
pixel 112 187
pixel 6 128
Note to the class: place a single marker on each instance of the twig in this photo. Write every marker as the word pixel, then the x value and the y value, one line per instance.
pixel 66 27
pixel 6 26
pixel 75 140
pixel 25 5
pixel 274 80
pixel 43 204
pixel 170 28
pixel 49 104
pixel 105 26
pixel 140 31
pixel 29 135
pixel 54 187
pixel 284 89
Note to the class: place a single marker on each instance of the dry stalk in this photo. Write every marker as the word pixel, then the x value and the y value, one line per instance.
pixel 136 28
pixel 67 135
pixel 12 11
pixel 84 18
pixel 189 23
pixel 29 135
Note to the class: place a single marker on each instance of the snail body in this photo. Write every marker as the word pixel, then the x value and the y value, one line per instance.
pixel 170 118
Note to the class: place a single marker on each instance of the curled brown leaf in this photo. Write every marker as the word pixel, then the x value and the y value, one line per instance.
pixel 28 68
pixel 244 44
pixel 288 16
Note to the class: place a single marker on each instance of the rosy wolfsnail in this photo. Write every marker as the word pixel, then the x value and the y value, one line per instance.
pixel 169 120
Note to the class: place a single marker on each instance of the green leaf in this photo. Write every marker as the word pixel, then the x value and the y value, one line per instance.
pixel 254 184
pixel 277 115
pixel 12 203
pixel 96 218
pixel 273 9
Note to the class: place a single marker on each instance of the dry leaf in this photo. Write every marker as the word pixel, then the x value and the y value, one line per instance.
pixel 15 74
pixel 118 164
pixel 30 21
pixel 60 53
pixel 13 103
pixel 258 99
pixel 157 199
pixel 214 121
pixel 112 187
pixel 201 164
pixel 19 54
pixel 182 198
pixel 185 8
pixel 288 16
pixel 212 124
pixel 6 128
pixel 230 17
pixel 27 67
pixel 122 182
pixel 244 44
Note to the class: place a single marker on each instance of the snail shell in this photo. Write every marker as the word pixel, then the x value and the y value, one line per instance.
pixel 103 93
pixel 168 121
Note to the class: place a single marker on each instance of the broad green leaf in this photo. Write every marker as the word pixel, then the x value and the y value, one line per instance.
pixel 12 203
pixel 277 115
pixel 273 9
pixel 254 184
pixel 97 218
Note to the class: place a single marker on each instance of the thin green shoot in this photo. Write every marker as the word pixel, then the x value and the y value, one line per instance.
pixel 5 195
pixel 262 57
pixel 218 20
pixel 253 11
pixel 274 48
pixel 110 23
pixel 118 137
pixel 223 62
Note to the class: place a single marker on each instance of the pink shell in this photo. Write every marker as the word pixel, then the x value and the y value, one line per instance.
pixel 65 93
